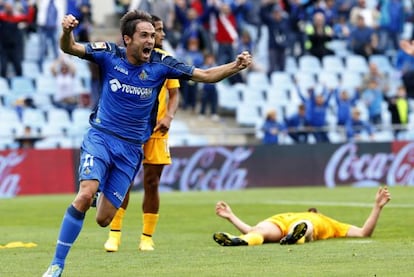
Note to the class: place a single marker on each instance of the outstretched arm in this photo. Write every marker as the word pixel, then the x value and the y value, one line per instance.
pixel 67 40
pixel 218 73
pixel 382 198
pixel 223 210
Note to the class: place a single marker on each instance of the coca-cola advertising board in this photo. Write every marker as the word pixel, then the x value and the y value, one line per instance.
pixel 227 167
pixel 218 168
pixel 31 171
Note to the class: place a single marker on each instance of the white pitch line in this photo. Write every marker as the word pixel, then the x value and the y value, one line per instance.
pixel 337 204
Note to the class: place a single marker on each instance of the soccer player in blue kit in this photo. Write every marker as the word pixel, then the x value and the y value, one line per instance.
pixel 111 152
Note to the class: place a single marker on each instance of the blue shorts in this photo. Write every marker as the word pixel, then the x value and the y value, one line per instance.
pixel 112 161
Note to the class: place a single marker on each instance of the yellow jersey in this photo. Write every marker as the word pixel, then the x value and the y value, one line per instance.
pixel 323 227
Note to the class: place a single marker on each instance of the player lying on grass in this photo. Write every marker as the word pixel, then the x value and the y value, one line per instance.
pixel 291 228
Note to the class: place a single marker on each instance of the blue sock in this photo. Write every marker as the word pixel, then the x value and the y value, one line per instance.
pixel 69 230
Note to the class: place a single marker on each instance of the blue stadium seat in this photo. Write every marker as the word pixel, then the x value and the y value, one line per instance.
pixel 328 78
pixel 22 86
pixel 58 117
pixel 281 79
pixel 46 85
pixel 33 117
pixel 247 114
pixel 356 63
pixel 228 96
pixel 383 63
pixel 8 115
pixel 309 64
pixel 333 63
pixel 30 69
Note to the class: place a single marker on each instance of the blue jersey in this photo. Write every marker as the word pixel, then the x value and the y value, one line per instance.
pixel 128 105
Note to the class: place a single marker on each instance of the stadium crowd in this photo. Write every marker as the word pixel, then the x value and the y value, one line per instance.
pixel 337 59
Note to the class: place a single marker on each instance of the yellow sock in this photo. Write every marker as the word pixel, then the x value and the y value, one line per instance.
pixel 116 223
pixel 253 238
pixel 149 223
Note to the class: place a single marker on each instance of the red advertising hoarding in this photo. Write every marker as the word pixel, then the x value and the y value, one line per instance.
pixel 32 171
pixel 227 167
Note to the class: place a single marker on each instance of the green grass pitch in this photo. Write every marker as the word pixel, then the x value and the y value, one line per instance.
pixel 184 244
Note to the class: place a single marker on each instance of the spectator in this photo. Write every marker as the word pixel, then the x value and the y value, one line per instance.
pixel 342 28
pixel 272 128
pixel 297 12
pixel 163 9
pixel 318 34
pixel 343 7
pixel 225 31
pixel 28 138
pixel 375 73
pixel 329 10
pixel 192 26
pixel 392 21
pixel 12 38
pixel 246 43
pixel 84 29
pixel 22 103
pixel 363 39
pixel 192 56
pixel 356 128
pixel 404 64
pixel 399 109
pixel 49 15
pixel 370 14
pixel 210 94
pixel 344 105
pixel 66 96
pixel 277 24
pixel 316 108
pixel 373 97
pixel 297 125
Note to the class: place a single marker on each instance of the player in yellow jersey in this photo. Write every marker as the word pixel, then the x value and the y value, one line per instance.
pixel 291 228
pixel 156 155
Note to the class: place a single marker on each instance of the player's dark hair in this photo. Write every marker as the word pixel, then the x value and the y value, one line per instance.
pixel 155 18
pixel 130 20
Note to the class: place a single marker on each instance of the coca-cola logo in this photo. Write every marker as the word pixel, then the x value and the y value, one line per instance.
pixel 209 168
pixel 346 166
pixel 9 183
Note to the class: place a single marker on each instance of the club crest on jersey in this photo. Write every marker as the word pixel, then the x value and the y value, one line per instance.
pixel 143 75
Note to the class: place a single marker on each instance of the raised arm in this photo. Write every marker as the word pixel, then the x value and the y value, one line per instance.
pixel 67 40
pixel 223 210
pixel 218 73
pixel 382 198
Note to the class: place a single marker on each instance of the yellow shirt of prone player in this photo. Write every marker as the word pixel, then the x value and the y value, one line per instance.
pixel 156 149
pixel 323 227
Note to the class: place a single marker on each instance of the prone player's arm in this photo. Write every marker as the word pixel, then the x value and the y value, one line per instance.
pixel 67 40
pixel 383 196
pixel 220 72
pixel 223 210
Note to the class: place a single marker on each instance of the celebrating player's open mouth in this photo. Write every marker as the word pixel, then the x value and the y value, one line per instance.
pixel 147 52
